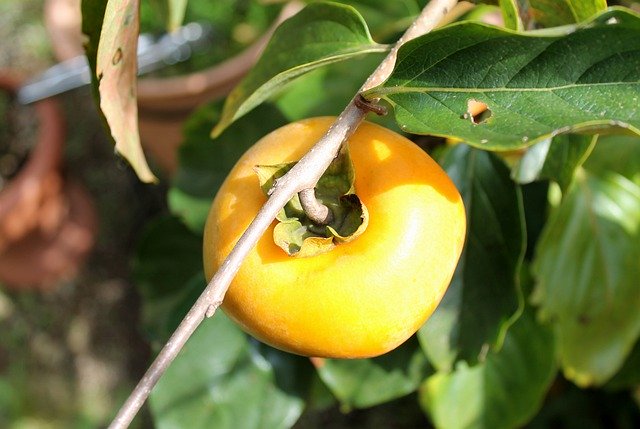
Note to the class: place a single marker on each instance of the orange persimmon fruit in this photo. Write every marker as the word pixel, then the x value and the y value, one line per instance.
pixel 362 298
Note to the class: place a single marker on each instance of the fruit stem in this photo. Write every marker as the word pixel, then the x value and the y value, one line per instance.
pixel 304 175
pixel 313 208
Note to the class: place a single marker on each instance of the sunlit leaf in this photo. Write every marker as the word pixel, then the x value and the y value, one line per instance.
pixel 555 159
pixel 386 18
pixel 534 85
pixel 177 10
pixel 327 90
pixel 322 33
pixel 616 153
pixel 587 267
pixel 513 12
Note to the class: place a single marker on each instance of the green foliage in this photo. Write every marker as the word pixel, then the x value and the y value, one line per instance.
pixel 552 13
pixel 323 33
pixel 503 391
pixel 528 14
pixel 554 159
pixel 208 383
pixel 534 85
pixel 168 273
pixel 484 295
pixel 362 383
pixel 587 269
pixel 629 375
pixel 488 356
pixel 616 153
pixel 177 9
pixel 205 163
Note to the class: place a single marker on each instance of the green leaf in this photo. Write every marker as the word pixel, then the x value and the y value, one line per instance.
pixel 177 9
pixel 587 267
pixel 207 385
pixel 112 52
pixel 362 383
pixel 325 91
pixel 616 153
pixel 191 209
pixel 629 375
pixel 321 34
pixel 168 255
pixel 512 14
pixel 569 407
pixel 535 85
pixel 505 391
pixel 222 379
pixel 484 295
pixel 552 13
pixel 555 159
pixel 386 18
pixel 204 164
pixel 168 275
pixel 535 199
pixel 526 14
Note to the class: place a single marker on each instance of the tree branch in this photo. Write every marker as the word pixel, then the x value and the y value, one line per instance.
pixel 304 175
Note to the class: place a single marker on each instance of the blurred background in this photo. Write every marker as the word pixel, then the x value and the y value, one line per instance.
pixel 70 349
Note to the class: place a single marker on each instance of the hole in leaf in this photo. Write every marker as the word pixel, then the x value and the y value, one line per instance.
pixel 477 111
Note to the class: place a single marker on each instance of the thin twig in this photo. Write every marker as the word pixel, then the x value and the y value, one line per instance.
pixel 304 175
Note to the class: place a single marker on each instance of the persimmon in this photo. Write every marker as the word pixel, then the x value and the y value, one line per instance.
pixel 364 297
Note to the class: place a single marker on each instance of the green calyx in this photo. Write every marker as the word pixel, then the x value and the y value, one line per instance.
pixel 298 235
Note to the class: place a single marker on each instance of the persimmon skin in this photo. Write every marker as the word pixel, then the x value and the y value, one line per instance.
pixel 362 298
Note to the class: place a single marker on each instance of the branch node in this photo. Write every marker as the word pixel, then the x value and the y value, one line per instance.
pixel 369 106
pixel 210 311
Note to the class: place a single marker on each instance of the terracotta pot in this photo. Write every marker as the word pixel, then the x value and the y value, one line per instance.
pixel 47 224
pixel 164 104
